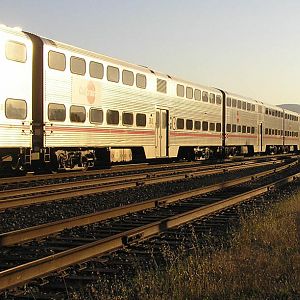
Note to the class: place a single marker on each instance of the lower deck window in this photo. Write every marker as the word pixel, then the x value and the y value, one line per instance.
pixel 96 115
pixel 141 120
pixel 127 118
pixel 205 126
pixel 56 112
pixel 77 114
pixel 112 117
pixel 15 109
pixel 180 123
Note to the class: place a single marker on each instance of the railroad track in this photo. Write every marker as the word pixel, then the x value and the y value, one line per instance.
pixel 151 218
pixel 43 179
pixel 62 191
pixel 92 200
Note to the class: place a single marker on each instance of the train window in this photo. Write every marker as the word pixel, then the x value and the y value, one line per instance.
pixel 189 124
pixel 270 131
pixel 197 94
pixel 281 131
pixel 233 103
pixel 180 90
pixel 267 111
pixel 77 65
pixel 77 114
pixel 266 130
pixel 252 130
pixel 189 92
pixel 163 120
pixel 212 126
pixel 96 70
pixel 218 127
pixel 244 105
pixel 273 113
pixel 243 129
pixel 56 112
pixel 248 129
pixel 180 123
pixel 96 115
pixel 270 112
pixel 248 106
pixel 205 96
pixel 228 127
pixel 218 100
pixel 212 98
pixel 233 128
pixel 273 131
pixel 228 102
pixel 15 109
pixel 239 104
pixel 141 81
pixel 113 74
pixel 15 51
pixel 127 118
pixel 140 120
pixel 239 128
pixel 197 125
pixel 56 61
pixel 112 117
pixel 127 77
pixel 276 132
pixel 205 126
pixel 259 109
pixel 161 85
pixel 281 115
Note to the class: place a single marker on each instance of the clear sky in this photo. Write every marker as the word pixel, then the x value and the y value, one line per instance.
pixel 250 47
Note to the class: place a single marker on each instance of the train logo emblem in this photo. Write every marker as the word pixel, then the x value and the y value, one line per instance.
pixel 90 92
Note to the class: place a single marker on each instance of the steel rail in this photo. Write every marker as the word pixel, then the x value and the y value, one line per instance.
pixel 85 190
pixel 57 262
pixel 30 233
pixel 109 180
pixel 122 168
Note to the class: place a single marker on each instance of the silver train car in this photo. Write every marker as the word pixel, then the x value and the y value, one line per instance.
pixel 64 107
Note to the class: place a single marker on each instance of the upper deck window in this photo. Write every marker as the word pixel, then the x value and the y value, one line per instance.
pixel 96 70
pixel 127 77
pixel 212 98
pixel 205 96
pixel 77 65
pixel 197 94
pixel 15 51
pixel 141 81
pixel 56 60
pixel 189 92
pixel 113 74
pixel 180 90
pixel 161 85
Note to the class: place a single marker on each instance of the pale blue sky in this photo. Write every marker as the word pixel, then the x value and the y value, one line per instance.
pixel 250 47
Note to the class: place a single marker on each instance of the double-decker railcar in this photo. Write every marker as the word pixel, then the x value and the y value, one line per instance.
pixel 62 106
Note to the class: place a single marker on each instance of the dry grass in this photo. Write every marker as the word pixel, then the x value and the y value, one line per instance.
pixel 262 262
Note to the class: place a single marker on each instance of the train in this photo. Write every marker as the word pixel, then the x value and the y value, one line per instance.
pixel 63 107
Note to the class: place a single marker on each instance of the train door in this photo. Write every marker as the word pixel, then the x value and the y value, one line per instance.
pixel 161 132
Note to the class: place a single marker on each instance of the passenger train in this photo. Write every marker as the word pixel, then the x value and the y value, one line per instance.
pixel 63 107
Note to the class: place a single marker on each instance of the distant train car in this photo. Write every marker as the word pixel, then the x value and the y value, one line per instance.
pixel 63 107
